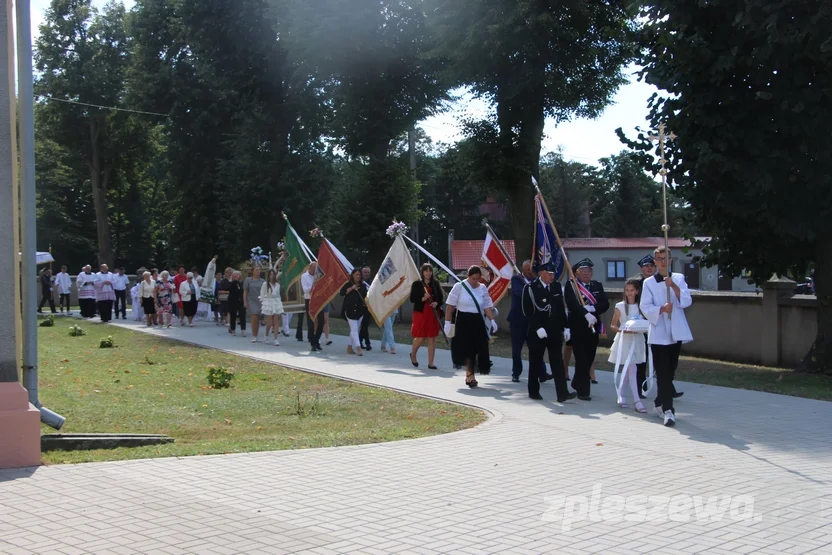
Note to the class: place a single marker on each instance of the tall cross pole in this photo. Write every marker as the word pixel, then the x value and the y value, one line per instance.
pixel 661 138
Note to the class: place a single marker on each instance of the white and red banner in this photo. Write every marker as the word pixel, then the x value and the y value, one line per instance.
pixel 332 273
pixel 500 267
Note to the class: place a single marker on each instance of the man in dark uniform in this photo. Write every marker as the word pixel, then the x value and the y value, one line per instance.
pixel 648 270
pixel 518 325
pixel 546 316
pixel 585 323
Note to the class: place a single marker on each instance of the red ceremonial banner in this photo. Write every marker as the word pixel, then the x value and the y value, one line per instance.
pixel 329 279
pixel 499 266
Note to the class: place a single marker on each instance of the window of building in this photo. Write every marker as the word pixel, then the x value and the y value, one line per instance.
pixel 616 270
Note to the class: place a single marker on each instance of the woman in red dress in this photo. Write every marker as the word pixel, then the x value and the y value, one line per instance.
pixel 427 298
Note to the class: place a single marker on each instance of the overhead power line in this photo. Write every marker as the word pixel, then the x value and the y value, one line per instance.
pixel 66 101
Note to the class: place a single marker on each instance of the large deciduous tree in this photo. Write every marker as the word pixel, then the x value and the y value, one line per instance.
pixel 750 98
pixel 244 136
pixel 370 54
pixel 82 56
pixel 531 60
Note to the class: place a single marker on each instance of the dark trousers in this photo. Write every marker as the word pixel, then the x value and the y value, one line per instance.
pixel 316 328
pixel 665 361
pixel 87 307
pixel 121 301
pixel 299 332
pixel 105 310
pixel 234 312
pixel 364 330
pixel 537 349
pixel 46 298
pixel 64 300
pixel 518 339
pixel 583 348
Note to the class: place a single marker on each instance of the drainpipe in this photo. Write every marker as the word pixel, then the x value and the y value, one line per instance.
pixel 27 208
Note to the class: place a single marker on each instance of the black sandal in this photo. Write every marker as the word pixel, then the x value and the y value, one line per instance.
pixel 432 367
pixel 470 381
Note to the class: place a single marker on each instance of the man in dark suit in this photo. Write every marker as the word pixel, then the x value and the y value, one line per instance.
pixel 518 326
pixel 585 323
pixel 546 318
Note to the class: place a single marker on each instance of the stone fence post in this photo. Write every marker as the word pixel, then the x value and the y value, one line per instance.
pixel 774 290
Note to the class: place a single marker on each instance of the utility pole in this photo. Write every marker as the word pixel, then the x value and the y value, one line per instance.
pixel 411 145
pixel 565 225
pixel 19 419
pixel 28 229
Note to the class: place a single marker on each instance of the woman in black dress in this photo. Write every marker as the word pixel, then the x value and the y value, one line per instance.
pixel 470 307
pixel 354 309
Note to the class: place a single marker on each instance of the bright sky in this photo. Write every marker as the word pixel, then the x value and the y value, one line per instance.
pixel 582 140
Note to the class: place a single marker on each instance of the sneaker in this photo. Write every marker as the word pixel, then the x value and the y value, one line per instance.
pixel 277 343
pixel 659 411
pixel 254 340
pixel 515 379
pixel 669 418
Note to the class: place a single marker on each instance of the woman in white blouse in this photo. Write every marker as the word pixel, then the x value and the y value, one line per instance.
pixel 474 318
pixel 147 297
pixel 189 294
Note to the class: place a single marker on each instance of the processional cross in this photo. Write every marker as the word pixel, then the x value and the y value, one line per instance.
pixel 662 138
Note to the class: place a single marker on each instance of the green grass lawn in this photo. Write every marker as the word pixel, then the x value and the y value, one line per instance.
pixel 151 385
pixel 691 369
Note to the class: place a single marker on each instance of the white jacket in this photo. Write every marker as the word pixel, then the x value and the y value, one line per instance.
pixel 653 298
pixel 64 283
pixel 185 291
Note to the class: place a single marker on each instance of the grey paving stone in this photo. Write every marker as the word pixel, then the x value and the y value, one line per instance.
pixel 492 489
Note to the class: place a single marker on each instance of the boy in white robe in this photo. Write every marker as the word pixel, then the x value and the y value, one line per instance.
pixel 668 328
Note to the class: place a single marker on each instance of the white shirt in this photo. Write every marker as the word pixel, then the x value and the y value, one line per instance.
pixel 85 280
pixel 120 282
pixel 185 291
pixel 101 277
pixel 146 289
pixel 307 280
pixel 64 283
pixel 461 299
pixel 265 294
pixel 653 298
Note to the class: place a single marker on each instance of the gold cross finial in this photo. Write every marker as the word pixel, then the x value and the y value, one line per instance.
pixel 662 138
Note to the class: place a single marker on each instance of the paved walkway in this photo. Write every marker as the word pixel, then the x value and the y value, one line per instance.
pixel 498 488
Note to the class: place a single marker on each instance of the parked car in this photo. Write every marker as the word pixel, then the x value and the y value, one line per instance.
pixel 805 288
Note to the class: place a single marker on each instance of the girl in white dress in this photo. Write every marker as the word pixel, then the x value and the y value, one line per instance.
pixel 270 303
pixel 624 320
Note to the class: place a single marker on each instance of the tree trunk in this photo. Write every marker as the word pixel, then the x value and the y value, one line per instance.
pixel 100 181
pixel 819 358
pixel 522 159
